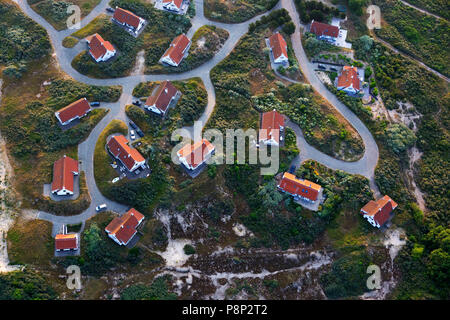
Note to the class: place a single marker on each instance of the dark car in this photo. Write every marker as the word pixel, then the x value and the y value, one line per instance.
pixel 139 132
pixel 333 69
pixel 137 103
pixel 110 10
pixel 133 125
pixel 292 169
pixel 95 104
pixel 321 66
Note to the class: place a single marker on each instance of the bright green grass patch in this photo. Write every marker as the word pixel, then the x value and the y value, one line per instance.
pixel 69 42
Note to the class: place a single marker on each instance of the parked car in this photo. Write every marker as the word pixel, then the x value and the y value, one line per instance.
pixel 132 124
pixel 115 179
pixel 137 103
pixel 100 207
pixel 95 104
pixel 333 69
pixel 110 10
pixel 321 66
pixel 132 134
pixel 292 169
pixel 114 165
pixel 139 132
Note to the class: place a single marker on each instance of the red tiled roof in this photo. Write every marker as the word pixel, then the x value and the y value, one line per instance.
pixel 177 3
pixel 118 145
pixel 380 210
pixel 271 121
pixel 177 48
pixel 162 96
pixel 349 78
pixel 63 170
pixel 99 46
pixel 195 153
pixel 304 188
pixel 278 45
pixel 78 108
pixel 66 241
pixel 124 227
pixel 125 16
pixel 323 29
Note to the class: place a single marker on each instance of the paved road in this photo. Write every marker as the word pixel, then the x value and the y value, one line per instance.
pixel 365 166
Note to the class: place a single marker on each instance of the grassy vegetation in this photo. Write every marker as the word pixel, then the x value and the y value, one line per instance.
pixel 317 11
pixel 236 11
pixel 154 40
pixel 31 129
pixel 30 242
pixel 21 40
pixel 70 42
pixel 206 42
pixel 103 172
pixel 438 7
pixel 416 33
pixel 55 11
pixel 158 290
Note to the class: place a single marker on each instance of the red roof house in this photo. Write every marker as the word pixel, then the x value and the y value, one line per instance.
pixel 324 31
pixel 178 49
pixel 130 157
pixel 378 212
pixel 348 80
pixel 64 170
pixel 278 47
pixel 122 229
pixel 99 48
pixel 160 101
pixel 193 155
pixel 66 242
pixel 75 110
pixel 172 5
pixel 272 124
pixel 299 188
pixel 128 19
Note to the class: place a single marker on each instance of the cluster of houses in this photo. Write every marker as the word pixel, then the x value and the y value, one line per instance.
pixel 101 50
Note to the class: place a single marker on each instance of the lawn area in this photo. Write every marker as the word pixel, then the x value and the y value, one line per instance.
pixel 55 11
pixel 236 11
pixel 206 42
pixel 438 7
pixel 103 172
pixel 70 42
pixel 30 242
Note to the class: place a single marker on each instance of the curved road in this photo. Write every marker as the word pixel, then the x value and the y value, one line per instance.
pixel 365 166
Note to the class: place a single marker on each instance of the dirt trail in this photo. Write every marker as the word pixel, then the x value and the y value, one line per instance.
pixel 6 201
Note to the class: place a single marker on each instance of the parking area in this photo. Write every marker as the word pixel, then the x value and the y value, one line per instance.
pixel 183 10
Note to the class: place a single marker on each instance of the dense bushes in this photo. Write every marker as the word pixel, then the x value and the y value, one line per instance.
pixel 399 137
pixel 316 10
pixel 21 40
pixel 236 11
pixel 417 34
pixel 158 290
pixel 25 285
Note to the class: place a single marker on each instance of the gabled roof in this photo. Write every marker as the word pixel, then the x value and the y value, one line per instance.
pixel 349 78
pixel 380 210
pixel 98 46
pixel 118 146
pixel 162 97
pixel 66 241
pixel 323 29
pixel 177 3
pixel 78 108
pixel 124 227
pixel 271 121
pixel 304 188
pixel 63 170
pixel 125 16
pixel 194 154
pixel 278 45
pixel 177 48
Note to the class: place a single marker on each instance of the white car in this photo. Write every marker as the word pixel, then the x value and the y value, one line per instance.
pixel 100 207
pixel 132 135
pixel 115 180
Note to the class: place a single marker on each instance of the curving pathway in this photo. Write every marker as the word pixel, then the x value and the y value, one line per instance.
pixel 365 166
